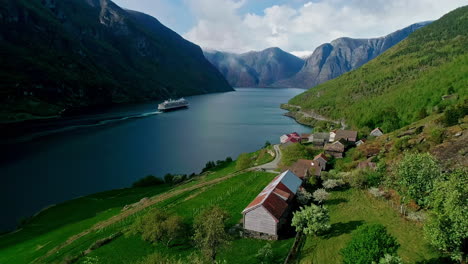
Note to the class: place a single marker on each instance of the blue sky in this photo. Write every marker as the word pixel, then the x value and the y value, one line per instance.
pixel 297 26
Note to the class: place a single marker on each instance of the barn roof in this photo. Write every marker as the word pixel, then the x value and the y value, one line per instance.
pixel 321 155
pixel 336 146
pixel 346 134
pixel 275 195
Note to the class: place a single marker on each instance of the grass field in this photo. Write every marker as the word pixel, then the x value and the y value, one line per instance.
pixel 232 195
pixel 351 208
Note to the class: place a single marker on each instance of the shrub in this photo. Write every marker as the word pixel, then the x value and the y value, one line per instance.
pixel 390 259
pixel 369 243
pixel 168 178
pixel 149 180
pixel 437 135
pixel 402 143
pixel 313 181
pixel 320 195
pixel 417 173
pixel 178 179
pixel 332 184
pixel 303 196
pixel 265 254
pixel 311 220
pixel 158 226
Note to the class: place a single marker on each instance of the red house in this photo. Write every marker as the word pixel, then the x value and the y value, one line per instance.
pixel 293 137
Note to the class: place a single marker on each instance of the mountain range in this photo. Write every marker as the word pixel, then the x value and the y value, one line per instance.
pixel 255 68
pixel 274 67
pixel 424 74
pixel 71 54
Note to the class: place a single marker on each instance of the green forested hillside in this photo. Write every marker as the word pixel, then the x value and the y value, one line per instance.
pixel 403 84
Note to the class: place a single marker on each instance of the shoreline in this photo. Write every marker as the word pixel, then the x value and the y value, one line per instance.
pixel 310 118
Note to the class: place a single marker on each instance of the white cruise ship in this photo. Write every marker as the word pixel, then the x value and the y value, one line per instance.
pixel 170 104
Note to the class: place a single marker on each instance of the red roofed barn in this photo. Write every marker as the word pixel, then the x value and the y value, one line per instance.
pixel 267 212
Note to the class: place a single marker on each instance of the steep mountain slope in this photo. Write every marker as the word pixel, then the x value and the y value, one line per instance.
pixel 255 69
pixel 78 53
pixel 342 55
pixel 403 84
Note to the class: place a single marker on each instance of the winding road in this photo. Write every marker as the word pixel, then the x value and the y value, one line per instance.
pixel 273 165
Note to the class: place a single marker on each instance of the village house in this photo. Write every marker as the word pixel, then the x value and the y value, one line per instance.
pixel 306 168
pixel 265 215
pixel 293 137
pixel 376 132
pixel 360 142
pixel 347 135
pixel 305 138
pixel 335 149
pixel 322 160
pixel 319 139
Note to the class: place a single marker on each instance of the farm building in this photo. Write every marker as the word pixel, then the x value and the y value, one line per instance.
pixel 305 168
pixel 336 149
pixel 265 215
pixel 319 139
pixel 360 142
pixel 293 137
pixel 376 132
pixel 322 160
pixel 305 138
pixel 347 135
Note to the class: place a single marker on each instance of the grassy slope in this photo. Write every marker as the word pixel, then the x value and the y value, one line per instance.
pixel 232 195
pixel 56 224
pixel 411 76
pixel 352 208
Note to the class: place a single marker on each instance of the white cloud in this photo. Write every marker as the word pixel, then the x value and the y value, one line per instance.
pixel 221 26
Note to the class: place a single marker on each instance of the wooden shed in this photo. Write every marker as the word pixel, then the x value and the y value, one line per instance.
pixel 267 212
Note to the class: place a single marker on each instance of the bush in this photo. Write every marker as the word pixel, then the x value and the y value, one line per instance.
pixel 390 259
pixel 332 184
pixel 303 196
pixel 149 180
pixel 179 178
pixel 168 178
pixel 158 226
pixel 311 220
pixel 265 254
pixel 369 243
pixel 320 195
pixel 437 135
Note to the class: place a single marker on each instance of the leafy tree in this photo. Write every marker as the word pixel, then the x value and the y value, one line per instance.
pixel 243 161
pixel 158 226
pixel 265 254
pixel 303 196
pixel 320 195
pixel 417 173
pixel 447 228
pixel 168 178
pixel 332 183
pixel 311 220
pixel 210 234
pixel 149 180
pixel 369 243
pixel 267 144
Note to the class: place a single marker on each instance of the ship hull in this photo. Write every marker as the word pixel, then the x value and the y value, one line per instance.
pixel 174 108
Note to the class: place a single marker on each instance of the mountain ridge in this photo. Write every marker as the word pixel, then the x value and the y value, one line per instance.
pixel 82 53
pixel 341 55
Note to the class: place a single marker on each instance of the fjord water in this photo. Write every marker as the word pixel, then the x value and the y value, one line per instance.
pixel 81 160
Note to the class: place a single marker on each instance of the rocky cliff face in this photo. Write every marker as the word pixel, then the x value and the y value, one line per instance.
pixel 79 53
pixel 255 69
pixel 331 60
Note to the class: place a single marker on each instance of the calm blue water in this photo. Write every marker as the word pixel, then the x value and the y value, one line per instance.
pixel 89 159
